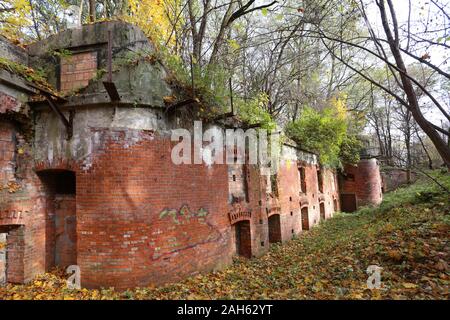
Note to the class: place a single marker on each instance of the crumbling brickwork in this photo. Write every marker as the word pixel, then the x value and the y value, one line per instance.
pixel 7 152
pixel 361 185
pixel 77 69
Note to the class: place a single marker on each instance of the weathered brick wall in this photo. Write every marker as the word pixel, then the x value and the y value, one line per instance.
pixel 8 103
pixel 77 69
pixel 22 209
pixel 364 181
pixel 292 199
pixel 16 262
pixel 394 178
pixel 288 181
pixel 237 182
pixel 141 219
pixel 7 153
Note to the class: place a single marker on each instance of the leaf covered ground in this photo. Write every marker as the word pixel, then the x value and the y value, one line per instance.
pixel 407 236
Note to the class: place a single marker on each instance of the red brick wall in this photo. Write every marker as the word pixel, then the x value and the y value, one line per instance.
pixel 237 182
pixel 22 208
pixel 291 199
pixel 8 103
pixel 16 255
pixel 394 178
pixel 363 180
pixel 77 69
pixel 7 151
pixel 141 219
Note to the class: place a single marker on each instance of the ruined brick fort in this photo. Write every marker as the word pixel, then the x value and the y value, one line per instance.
pixel 86 176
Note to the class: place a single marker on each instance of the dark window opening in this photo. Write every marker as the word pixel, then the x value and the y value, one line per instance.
pixel 12 246
pixel 302 174
pixel 320 180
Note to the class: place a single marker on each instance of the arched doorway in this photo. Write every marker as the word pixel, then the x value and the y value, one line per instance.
pixel 305 218
pixel 243 238
pixel 322 210
pixel 61 239
pixel 274 228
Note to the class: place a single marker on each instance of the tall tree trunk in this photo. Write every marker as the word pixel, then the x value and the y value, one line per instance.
pixel 413 104
pixel 408 154
pixel 91 11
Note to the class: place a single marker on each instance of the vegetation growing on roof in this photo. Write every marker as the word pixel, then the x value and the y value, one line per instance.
pixel 210 86
pixel 253 111
pixel 62 53
pixel 326 132
pixel 36 77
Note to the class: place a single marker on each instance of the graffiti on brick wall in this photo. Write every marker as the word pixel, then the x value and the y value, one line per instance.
pixel 12 216
pixel 181 229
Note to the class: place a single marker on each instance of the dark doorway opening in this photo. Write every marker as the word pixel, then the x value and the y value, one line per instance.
pixel 348 202
pixel 274 228
pixel 335 205
pixel 243 238
pixel 322 210
pixel 305 218
pixel 61 235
